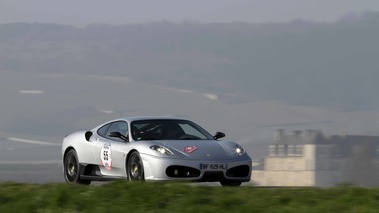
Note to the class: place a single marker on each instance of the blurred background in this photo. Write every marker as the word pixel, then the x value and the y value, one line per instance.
pixel 246 68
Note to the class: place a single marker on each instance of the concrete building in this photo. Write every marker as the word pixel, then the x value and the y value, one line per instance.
pixel 308 158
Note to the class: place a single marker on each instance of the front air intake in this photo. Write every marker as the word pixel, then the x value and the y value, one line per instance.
pixel 182 172
pixel 238 171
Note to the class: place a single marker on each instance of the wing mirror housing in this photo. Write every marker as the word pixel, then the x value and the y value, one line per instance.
pixel 118 135
pixel 219 135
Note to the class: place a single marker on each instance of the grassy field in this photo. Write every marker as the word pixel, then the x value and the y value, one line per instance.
pixel 122 196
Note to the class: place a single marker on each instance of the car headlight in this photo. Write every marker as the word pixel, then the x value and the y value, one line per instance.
pixel 239 150
pixel 161 149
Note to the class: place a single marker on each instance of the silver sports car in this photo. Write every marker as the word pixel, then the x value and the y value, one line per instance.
pixel 153 148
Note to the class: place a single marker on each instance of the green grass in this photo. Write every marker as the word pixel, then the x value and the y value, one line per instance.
pixel 122 196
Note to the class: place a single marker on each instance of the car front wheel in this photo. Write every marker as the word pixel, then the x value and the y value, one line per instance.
pixel 135 167
pixel 72 169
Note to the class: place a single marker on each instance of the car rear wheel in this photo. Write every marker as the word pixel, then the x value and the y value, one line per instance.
pixel 230 183
pixel 72 169
pixel 135 167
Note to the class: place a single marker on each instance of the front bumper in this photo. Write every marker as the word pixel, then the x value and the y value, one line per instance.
pixel 157 168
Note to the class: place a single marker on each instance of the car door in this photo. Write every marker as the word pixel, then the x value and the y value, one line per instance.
pixel 111 151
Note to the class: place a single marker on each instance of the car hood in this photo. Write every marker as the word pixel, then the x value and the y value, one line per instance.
pixel 197 149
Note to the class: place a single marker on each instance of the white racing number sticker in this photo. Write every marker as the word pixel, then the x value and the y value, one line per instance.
pixel 213 166
pixel 106 156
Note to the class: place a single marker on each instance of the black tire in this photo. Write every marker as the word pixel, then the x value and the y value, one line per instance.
pixel 135 167
pixel 72 169
pixel 230 183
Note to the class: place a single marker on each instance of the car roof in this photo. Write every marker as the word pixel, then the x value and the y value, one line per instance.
pixel 138 118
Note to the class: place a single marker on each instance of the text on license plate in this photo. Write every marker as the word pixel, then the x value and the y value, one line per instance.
pixel 212 166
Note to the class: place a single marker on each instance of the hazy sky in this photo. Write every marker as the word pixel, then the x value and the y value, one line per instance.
pixel 83 12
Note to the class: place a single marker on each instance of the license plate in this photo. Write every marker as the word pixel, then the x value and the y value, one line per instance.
pixel 212 166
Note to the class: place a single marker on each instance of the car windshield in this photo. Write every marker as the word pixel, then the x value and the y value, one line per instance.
pixel 168 129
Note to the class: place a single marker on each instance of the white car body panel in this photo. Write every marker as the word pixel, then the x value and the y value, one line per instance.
pixel 103 158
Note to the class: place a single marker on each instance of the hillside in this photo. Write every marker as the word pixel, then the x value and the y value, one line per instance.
pixel 314 64
pixel 244 79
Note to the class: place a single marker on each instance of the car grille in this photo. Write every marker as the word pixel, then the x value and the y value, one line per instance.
pixel 182 172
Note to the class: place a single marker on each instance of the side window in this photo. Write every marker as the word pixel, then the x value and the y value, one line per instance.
pixel 102 131
pixel 118 126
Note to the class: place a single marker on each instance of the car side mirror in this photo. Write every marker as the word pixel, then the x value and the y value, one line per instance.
pixel 219 135
pixel 118 135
